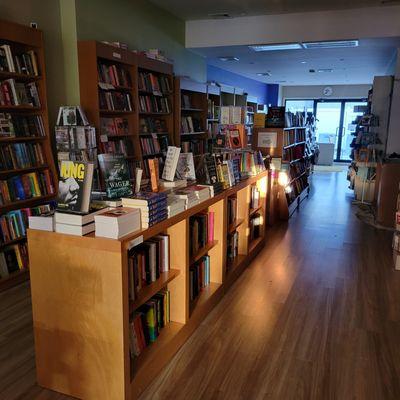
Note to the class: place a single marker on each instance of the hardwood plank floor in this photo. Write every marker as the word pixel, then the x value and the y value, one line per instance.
pixel 315 316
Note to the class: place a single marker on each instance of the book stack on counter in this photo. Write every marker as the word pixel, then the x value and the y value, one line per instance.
pixel 117 222
pixel 189 197
pixel 146 262
pixel 201 229
pixel 13 258
pixel 74 223
pixel 199 276
pixel 175 205
pixel 153 207
pixel 147 322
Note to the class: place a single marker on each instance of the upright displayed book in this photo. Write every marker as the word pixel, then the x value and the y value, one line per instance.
pixel 29 177
pixel 171 163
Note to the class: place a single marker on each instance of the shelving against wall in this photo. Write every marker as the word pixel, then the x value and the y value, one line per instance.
pixel 108 300
pixel 191 111
pixel 213 111
pixel 251 109
pixel 28 178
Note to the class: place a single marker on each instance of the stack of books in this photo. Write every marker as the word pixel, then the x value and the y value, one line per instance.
pixel 148 321
pixel 199 276
pixel 175 205
pixel 74 224
pixel 153 207
pixel 146 262
pixel 188 196
pixel 117 222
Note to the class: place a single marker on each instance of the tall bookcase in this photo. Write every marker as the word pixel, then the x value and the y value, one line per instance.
pixel 191 105
pixel 213 113
pixel 144 100
pixel 22 39
pixel 86 353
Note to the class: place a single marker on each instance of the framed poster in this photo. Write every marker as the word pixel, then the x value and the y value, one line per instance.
pixel 267 139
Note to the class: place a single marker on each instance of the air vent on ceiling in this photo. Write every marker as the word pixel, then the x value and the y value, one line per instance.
pixel 331 45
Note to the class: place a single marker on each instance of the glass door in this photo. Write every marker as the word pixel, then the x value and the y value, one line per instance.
pixel 328 124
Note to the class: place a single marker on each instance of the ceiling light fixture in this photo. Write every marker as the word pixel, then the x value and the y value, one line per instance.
pixel 268 73
pixel 275 47
pixel 335 44
pixel 325 70
pixel 228 58
pixel 303 62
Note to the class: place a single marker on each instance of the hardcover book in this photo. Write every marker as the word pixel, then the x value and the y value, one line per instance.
pixel 75 186
pixel 115 173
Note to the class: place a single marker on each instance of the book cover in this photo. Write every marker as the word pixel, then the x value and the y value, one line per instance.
pixel 234 139
pixel 74 187
pixel 115 173
pixel 154 173
pixel 185 168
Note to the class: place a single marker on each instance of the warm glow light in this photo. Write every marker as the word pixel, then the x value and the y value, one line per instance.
pixel 283 178
pixel 288 189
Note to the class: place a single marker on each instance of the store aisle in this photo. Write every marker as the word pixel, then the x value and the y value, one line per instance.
pixel 315 316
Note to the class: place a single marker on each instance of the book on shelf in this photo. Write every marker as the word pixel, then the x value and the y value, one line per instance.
pixel 25 63
pixel 199 277
pixel 177 183
pixel 114 126
pixel 17 125
pixel 119 146
pixel 255 222
pixel 115 101
pixel 14 223
pixel 235 141
pixel 147 322
pixel 44 222
pixel 75 186
pixel 200 232
pixel 114 223
pixel 115 173
pixel 152 125
pixel 185 168
pixel 26 186
pixel 191 124
pixel 171 163
pixel 154 144
pixel 112 75
pixel 13 259
pixel 13 93
pixel 154 104
pixel 79 219
pixel 254 197
pixel 175 206
pixel 232 210
pixel 232 245
pixel 154 173
pixel 146 262
pixel 157 84
pixel 77 230
pixel 194 146
pixel 20 156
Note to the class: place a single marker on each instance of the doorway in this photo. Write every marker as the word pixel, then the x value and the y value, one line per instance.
pixel 335 122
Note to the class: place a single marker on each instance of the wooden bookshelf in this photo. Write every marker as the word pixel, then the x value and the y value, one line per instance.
pixel 195 94
pixel 22 39
pixel 85 279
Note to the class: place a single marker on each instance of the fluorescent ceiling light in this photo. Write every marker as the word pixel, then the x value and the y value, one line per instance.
pixel 264 73
pixel 229 58
pixel 338 44
pixel 273 47
pixel 325 70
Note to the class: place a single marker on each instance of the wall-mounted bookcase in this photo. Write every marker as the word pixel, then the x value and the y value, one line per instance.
pixel 87 353
pixel 120 87
pixel 191 109
pixel 28 175
pixel 291 149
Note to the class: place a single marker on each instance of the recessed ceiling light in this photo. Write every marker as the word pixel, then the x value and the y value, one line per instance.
pixel 274 47
pixel 325 70
pixel 268 73
pixel 228 58
pixel 303 62
pixel 331 44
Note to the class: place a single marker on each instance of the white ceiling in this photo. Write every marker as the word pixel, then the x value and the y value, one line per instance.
pixel 189 10
pixel 356 65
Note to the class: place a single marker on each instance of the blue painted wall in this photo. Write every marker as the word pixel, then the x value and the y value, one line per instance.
pixel 266 93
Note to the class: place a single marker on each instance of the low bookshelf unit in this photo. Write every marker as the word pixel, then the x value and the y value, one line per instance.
pixel 89 352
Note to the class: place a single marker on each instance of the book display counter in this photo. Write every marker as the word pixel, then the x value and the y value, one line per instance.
pixel 104 326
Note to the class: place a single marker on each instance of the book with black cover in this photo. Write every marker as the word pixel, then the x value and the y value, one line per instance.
pixel 75 186
pixel 115 173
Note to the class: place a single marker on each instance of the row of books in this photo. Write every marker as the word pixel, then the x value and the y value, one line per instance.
pixel 199 277
pixel 213 128
pixel 201 231
pixel 146 262
pixel 212 110
pixel 152 206
pixel 192 195
pixel 195 146
pixel 231 115
pixel 12 259
pixel 232 209
pixel 114 75
pixel 115 101
pixel 151 145
pixel 114 126
pixel 293 136
pixel 152 125
pixel 147 322
pixel 254 197
pixel 297 168
pixel 121 146
pixel 14 93
pixel 255 223
pixel 13 224
pixel 190 124
pixel 16 125
pixel 21 155
pixel 156 84
pixel 293 153
pixel 21 63
pixel 232 245
pixel 27 186
pixel 154 104
pixel 296 187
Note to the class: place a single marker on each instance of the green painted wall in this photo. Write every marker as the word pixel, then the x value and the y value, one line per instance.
pixel 141 25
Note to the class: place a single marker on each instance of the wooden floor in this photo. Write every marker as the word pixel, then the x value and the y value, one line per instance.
pixel 315 316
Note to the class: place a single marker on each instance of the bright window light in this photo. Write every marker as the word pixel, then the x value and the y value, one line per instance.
pixel 275 47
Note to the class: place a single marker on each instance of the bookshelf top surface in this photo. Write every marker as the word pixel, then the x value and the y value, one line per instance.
pixel 117 245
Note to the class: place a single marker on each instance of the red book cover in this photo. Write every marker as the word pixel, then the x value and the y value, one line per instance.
pixel 211 226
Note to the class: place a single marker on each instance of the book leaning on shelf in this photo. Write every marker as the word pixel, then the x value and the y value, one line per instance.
pixel 13 93
pixel 22 63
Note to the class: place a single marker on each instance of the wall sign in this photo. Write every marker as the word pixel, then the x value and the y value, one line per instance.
pixel 266 139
